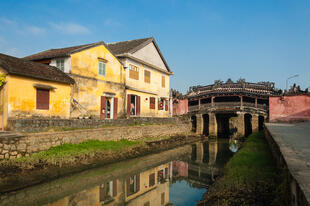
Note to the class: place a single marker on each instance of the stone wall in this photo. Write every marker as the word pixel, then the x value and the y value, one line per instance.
pixel 17 145
pixel 298 197
pixel 38 125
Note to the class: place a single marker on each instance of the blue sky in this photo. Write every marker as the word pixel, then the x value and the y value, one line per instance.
pixel 260 40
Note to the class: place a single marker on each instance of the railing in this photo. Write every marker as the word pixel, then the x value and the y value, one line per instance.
pixel 225 105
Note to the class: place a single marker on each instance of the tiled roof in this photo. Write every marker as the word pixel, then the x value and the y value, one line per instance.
pixel 126 46
pixel 22 67
pixel 61 52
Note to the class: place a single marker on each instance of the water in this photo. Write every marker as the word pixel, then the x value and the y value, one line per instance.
pixel 175 177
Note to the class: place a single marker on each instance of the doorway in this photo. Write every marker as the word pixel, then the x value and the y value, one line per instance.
pixel 108 108
pixel 133 105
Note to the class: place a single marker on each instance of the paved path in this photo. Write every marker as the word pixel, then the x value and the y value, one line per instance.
pixel 294 143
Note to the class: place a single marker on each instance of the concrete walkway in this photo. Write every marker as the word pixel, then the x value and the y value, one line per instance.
pixel 294 143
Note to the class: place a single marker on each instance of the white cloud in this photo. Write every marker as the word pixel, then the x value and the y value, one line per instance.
pixel 111 22
pixel 35 30
pixel 7 21
pixel 70 28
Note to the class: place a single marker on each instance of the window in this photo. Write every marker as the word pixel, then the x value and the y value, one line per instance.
pixel 162 104
pixel 160 176
pixel 147 76
pixel 152 102
pixel 133 72
pixel 101 68
pixel 163 82
pixel 43 99
pixel 152 180
pixel 60 64
pixel 106 191
pixel 133 184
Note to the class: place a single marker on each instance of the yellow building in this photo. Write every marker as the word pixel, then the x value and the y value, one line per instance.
pixel 147 77
pixel 99 77
pixel 32 89
pixel 147 188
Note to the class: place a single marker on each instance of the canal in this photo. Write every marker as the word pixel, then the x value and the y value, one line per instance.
pixel 177 177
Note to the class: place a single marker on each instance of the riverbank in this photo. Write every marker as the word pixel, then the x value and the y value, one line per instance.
pixel 250 178
pixel 71 158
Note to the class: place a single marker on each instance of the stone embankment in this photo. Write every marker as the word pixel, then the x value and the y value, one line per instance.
pixel 290 145
pixel 14 145
pixel 16 175
pixel 41 125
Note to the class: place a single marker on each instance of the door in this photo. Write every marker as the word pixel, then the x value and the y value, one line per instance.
pixel 102 108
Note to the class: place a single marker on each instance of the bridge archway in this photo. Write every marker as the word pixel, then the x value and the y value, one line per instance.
pixel 205 119
pixel 261 122
pixel 247 124
pixel 194 123
pixel 225 125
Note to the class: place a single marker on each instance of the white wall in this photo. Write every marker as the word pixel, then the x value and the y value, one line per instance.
pixel 67 63
pixel 150 54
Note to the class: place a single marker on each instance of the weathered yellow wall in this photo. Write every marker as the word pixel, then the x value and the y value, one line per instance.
pixel 154 86
pixel 145 110
pixel 154 195
pixel 3 103
pixel 90 86
pixel 22 98
pixel 147 90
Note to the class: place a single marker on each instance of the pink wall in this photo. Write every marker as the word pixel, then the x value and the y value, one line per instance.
pixel 180 169
pixel 180 106
pixel 289 108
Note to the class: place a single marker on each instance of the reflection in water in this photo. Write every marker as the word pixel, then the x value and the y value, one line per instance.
pixel 180 180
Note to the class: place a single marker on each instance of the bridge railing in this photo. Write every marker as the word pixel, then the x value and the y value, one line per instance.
pixel 225 105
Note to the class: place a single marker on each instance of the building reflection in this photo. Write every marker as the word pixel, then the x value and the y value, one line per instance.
pixel 204 164
pixel 150 187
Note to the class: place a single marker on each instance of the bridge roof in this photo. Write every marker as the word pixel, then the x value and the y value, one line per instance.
pixel 262 90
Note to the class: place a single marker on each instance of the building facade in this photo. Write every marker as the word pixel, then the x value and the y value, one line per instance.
pixel 32 90
pixel 123 79
pixel 147 77
pixel 99 79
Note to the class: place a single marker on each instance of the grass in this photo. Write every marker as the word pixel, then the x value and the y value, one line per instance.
pixel 251 177
pixel 69 152
pixel 73 153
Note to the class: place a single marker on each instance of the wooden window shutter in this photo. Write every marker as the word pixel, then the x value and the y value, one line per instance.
pixel 114 188
pixel 166 172
pixel 43 99
pixel 115 108
pixel 163 82
pixel 152 102
pixel 151 179
pixel 166 105
pixel 128 186
pixel 138 182
pixel 101 193
pixel 138 105
pixel 147 76
pixel 128 104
